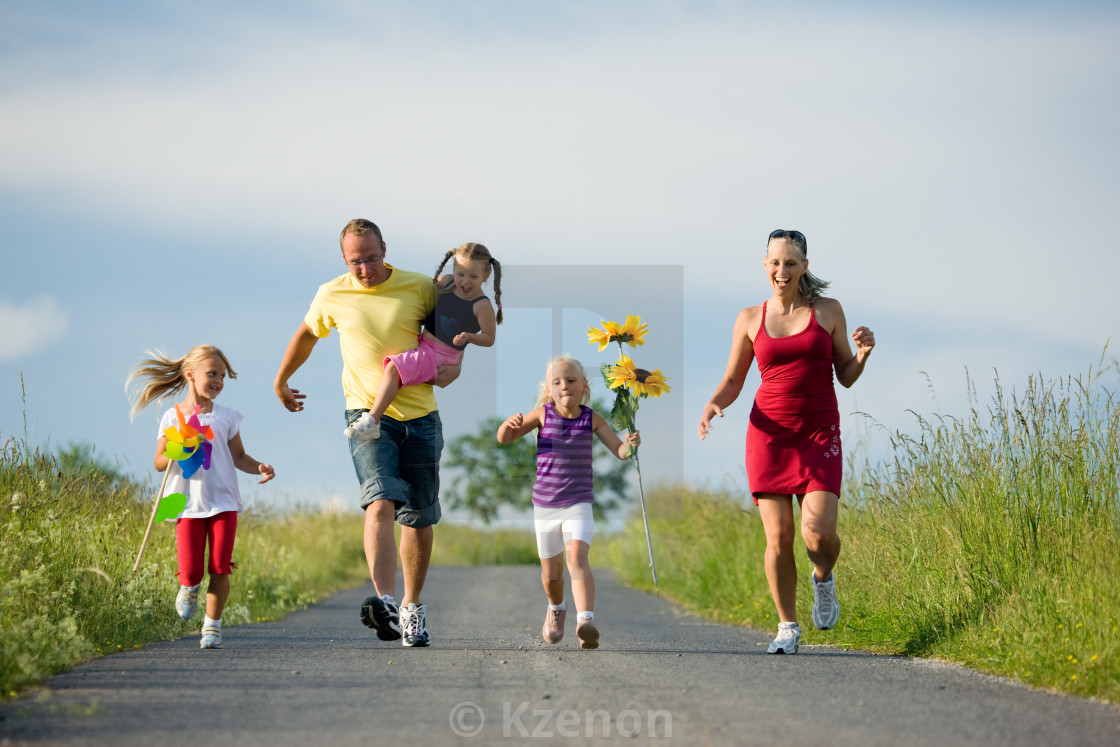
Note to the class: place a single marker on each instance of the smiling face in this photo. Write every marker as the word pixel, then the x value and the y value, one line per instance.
pixel 207 379
pixel 784 265
pixel 470 274
pixel 566 385
pixel 365 257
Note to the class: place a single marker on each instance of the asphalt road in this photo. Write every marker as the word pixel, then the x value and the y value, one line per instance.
pixel 661 676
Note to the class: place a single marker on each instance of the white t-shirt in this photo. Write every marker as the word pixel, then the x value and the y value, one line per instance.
pixel 209 491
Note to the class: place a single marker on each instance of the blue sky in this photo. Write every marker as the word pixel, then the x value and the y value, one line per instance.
pixel 177 173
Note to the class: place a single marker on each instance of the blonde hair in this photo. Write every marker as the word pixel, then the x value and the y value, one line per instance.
pixel 160 377
pixel 472 251
pixel 544 395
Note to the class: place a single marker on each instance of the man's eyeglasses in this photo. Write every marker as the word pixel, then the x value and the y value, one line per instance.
pixel 360 262
pixel 783 234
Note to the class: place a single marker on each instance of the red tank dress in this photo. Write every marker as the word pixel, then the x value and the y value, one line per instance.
pixel 793 439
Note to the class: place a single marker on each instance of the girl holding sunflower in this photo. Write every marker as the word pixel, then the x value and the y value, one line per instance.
pixel 799 338
pixel 562 494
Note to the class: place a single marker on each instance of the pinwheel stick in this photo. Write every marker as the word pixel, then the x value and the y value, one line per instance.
pixel 152 520
pixel 645 520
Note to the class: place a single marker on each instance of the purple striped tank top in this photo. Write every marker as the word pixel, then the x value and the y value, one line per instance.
pixel 563 460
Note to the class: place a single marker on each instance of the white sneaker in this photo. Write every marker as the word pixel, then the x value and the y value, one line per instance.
pixel 187 600
pixel 826 610
pixel 414 626
pixel 787 641
pixel 365 428
pixel 211 637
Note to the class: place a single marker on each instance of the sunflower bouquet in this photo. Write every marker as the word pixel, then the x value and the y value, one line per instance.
pixel 630 385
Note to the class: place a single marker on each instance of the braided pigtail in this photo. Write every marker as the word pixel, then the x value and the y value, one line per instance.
pixel 497 267
pixel 449 255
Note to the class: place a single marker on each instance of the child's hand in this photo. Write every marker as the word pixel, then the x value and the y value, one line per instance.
pixel 460 339
pixel 267 472
pixel 634 439
pixel 514 421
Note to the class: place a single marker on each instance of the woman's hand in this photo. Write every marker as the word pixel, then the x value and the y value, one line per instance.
pixel 864 339
pixel 711 410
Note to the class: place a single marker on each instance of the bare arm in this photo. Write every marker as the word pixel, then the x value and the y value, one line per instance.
pixel 484 338
pixel 161 461
pixel 248 464
pixel 299 350
pixel 518 425
pixel 848 366
pixel 610 439
pixel 738 364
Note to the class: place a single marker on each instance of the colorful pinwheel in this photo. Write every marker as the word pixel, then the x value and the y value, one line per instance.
pixel 189 444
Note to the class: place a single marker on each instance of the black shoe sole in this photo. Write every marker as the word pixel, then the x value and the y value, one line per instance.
pixel 375 614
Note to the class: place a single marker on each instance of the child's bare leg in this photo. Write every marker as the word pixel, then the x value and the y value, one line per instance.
pixel 583 582
pixel 552 577
pixel 387 392
pixel 216 595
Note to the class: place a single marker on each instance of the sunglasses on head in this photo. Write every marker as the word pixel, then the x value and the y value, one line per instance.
pixel 783 234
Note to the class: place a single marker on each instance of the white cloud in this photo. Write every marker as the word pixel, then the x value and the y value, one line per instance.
pixel 31 328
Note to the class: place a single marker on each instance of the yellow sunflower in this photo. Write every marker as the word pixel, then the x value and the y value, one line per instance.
pixel 641 382
pixel 632 332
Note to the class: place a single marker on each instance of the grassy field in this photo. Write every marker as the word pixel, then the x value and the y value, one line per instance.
pixel 991 540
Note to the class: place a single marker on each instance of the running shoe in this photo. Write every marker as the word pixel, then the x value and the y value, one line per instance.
pixel 787 641
pixel 383 615
pixel 553 629
pixel 414 626
pixel 587 634
pixel 211 637
pixel 187 600
pixel 826 610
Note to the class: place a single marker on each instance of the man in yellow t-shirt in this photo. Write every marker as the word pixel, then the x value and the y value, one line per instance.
pixel 378 310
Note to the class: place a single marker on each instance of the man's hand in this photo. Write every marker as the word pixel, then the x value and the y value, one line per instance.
pixel 290 397
pixel 446 374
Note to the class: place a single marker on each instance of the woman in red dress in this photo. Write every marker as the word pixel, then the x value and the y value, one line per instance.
pixel 793 439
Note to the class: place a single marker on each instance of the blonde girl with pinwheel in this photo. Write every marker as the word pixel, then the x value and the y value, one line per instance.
pixel 204 438
pixel 562 494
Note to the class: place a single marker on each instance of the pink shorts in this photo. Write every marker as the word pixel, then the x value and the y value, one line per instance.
pixel 418 366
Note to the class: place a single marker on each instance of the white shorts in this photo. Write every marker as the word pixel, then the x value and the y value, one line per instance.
pixel 556 527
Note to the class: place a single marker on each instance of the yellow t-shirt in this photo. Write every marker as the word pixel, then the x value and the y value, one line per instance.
pixel 373 323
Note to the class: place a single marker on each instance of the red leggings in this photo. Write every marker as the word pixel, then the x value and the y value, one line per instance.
pixel 191 536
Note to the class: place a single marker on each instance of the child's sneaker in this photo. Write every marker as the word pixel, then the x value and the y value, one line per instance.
pixel 211 637
pixel 587 634
pixel 789 638
pixel 553 629
pixel 383 615
pixel 826 610
pixel 414 626
pixel 365 428
pixel 187 600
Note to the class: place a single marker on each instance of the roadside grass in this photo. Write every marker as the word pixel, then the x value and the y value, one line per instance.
pixel 991 540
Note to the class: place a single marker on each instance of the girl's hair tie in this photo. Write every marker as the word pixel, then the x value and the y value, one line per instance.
pixel 499 307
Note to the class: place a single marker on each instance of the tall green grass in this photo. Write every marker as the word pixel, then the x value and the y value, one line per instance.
pixel 70 528
pixel 992 540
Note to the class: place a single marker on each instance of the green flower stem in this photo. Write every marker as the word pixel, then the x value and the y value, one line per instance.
pixel 631 426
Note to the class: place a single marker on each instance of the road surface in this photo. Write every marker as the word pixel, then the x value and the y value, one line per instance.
pixel 661 676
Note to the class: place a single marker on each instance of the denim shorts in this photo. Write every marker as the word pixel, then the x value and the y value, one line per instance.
pixel 402 466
